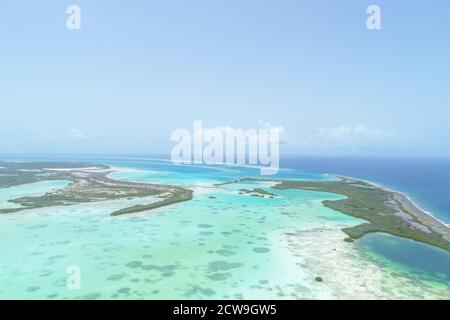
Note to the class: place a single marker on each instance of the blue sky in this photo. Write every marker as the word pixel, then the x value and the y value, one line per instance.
pixel 137 70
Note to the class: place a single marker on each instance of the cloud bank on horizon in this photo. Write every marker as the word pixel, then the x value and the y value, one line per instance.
pixel 134 72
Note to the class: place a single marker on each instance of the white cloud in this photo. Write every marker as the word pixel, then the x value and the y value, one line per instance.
pixel 66 134
pixel 75 134
pixel 358 136
pixel 348 140
pixel 269 126
pixel 285 137
pixel 262 124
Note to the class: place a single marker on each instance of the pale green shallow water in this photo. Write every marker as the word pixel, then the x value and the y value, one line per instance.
pixel 230 246
pixel 29 190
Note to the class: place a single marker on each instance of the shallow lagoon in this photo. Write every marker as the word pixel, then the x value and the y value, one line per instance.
pixel 228 246
pixel 32 189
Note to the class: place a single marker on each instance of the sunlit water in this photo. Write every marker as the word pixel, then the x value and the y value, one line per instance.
pixel 222 244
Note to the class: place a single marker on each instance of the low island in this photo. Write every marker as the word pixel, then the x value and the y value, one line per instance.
pixel 88 183
pixel 384 210
pixel 258 192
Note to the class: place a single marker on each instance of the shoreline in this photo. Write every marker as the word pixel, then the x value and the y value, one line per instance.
pixel 400 193
pixel 383 210
pixel 89 183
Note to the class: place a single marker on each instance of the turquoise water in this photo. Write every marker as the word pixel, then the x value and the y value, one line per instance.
pixel 32 189
pixel 219 245
pixel 416 257
pixel 425 180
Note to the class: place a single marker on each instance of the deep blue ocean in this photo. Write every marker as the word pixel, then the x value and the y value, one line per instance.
pixel 425 180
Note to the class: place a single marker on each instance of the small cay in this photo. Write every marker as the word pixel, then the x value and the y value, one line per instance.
pixel 258 192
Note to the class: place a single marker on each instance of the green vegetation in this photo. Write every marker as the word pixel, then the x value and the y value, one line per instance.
pixel 179 196
pixel 89 183
pixel 225 183
pixel 17 173
pixel 384 210
pixel 257 192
